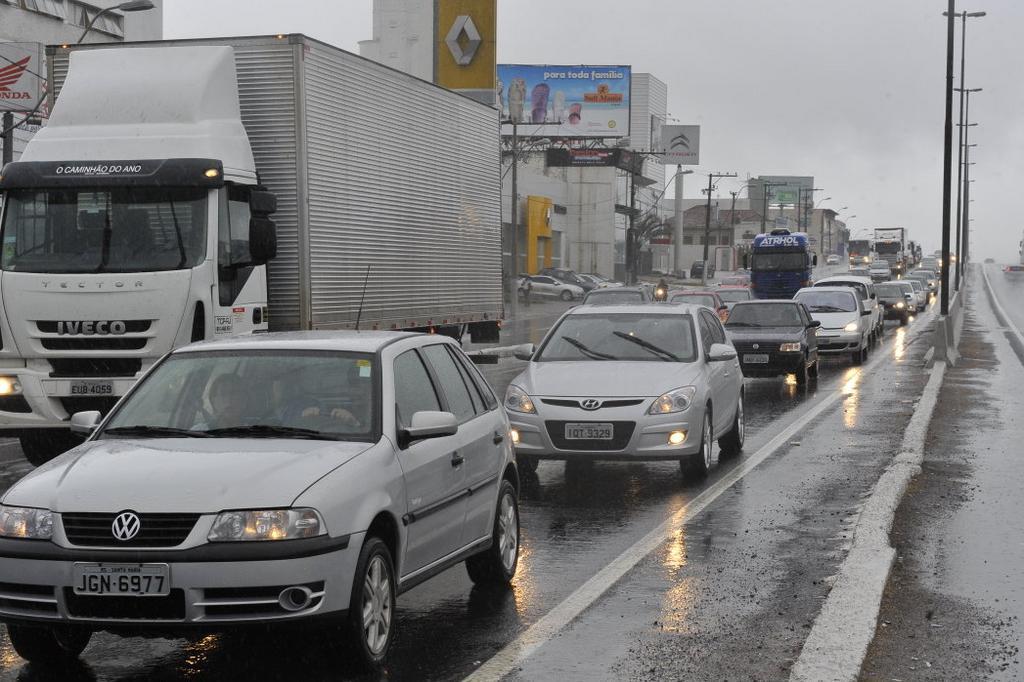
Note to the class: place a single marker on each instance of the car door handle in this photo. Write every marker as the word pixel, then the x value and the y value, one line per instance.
pixel 498 438
pixel 457 459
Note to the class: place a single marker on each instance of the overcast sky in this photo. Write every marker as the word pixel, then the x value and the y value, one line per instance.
pixel 850 92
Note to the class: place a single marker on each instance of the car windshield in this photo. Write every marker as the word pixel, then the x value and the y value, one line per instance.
pixel 303 394
pixel 695 299
pixel 734 295
pixel 612 297
pixel 776 262
pixel 765 315
pixel 888 291
pixel 828 301
pixel 123 229
pixel 621 336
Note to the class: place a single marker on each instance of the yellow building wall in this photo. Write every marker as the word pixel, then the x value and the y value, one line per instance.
pixel 538 233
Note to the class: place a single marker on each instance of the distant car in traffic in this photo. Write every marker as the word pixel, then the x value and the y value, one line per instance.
pixel 711 299
pixel 860 272
pixel 865 289
pixel 845 320
pixel 731 295
pixel 921 289
pixel 568 277
pixel 773 338
pixel 927 277
pixel 280 479
pixel 880 271
pixel 893 301
pixel 929 263
pixel 908 292
pixel 543 286
pixel 697 269
pixel 832 259
pixel 600 280
pixel 735 281
pixel 654 382
pixel 617 296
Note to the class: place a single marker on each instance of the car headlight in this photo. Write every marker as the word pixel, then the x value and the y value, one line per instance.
pixel 266 524
pixel 10 386
pixel 26 522
pixel 790 347
pixel 517 400
pixel 852 327
pixel 901 305
pixel 677 400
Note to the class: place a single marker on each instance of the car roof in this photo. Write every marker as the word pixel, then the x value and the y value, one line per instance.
pixel 768 301
pixel 816 289
pixel 612 290
pixel 646 307
pixel 843 278
pixel 352 341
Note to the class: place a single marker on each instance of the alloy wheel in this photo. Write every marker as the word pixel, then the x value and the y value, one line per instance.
pixel 378 603
pixel 508 533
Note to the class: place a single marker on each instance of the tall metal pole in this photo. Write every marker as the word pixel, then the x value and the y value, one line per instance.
pixel 514 227
pixel 947 160
pixel 707 231
pixel 678 252
pixel 960 145
pixel 8 138
pixel 632 247
pixel 961 260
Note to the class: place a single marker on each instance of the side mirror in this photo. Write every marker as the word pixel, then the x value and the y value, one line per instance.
pixel 814 323
pixel 525 352
pixel 262 202
pixel 720 352
pixel 262 240
pixel 814 259
pixel 865 312
pixel 85 422
pixel 429 425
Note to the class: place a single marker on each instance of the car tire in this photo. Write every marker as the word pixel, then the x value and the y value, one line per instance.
pixel 527 464
pixel 801 373
pixel 48 646
pixel 904 319
pixel 566 296
pixel 373 600
pixel 40 446
pixel 496 566
pixel 698 464
pixel 813 371
pixel 731 444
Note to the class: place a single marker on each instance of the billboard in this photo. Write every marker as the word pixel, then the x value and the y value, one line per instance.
pixel 680 145
pixel 21 79
pixel 784 189
pixel 565 101
pixel 465 51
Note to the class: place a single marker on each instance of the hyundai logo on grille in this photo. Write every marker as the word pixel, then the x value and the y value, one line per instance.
pixel 126 526
pixel 590 404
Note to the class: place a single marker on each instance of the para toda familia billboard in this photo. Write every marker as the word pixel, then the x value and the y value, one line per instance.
pixel 564 101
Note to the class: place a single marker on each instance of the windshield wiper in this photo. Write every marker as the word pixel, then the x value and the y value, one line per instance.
pixel 587 351
pixel 271 431
pixel 828 309
pixel 666 355
pixel 154 431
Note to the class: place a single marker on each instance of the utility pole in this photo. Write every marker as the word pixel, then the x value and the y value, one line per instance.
pixel 765 186
pixel 961 259
pixel 8 138
pixel 632 247
pixel 514 228
pixel 947 160
pixel 707 222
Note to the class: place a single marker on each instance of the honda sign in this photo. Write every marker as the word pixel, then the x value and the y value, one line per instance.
pixel 21 80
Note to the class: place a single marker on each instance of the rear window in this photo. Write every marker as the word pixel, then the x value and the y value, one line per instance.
pixel 695 299
pixel 765 315
pixel 828 301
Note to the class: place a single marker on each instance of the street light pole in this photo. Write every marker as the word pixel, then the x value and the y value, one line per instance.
pixel 130 6
pixel 947 160
pixel 514 222
pixel 961 260
pixel 707 223
pixel 962 243
pixel 678 237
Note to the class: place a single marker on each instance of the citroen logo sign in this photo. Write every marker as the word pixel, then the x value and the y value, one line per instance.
pixel 126 526
pixel 463 28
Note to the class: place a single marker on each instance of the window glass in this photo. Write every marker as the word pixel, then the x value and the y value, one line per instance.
pixel 643 337
pixel 414 391
pixel 773 262
pixel 706 336
pixel 768 314
pixel 474 390
pixel 490 401
pixel 452 384
pixel 828 301
pixel 715 327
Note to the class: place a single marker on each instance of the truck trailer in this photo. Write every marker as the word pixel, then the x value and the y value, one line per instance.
pixel 196 189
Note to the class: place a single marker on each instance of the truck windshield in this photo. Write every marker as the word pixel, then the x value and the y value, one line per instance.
pixel 887 248
pixel 773 262
pixel 124 229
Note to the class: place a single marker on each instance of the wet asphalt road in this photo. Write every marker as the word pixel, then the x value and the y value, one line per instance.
pixel 954 606
pixel 730 593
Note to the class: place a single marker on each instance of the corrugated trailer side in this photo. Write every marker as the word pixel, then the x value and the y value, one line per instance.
pixel 404 179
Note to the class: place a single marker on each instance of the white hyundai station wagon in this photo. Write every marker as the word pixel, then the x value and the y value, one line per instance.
pixel 303 478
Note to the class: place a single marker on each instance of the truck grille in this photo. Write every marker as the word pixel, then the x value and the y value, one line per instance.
pixel 130 326
pixel 171 607
pixel 621 433
pixel 71 368
pixel 156 530
pixel 94 343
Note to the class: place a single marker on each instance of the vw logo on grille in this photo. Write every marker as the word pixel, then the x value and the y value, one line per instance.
pixel 590 404
pixel 756 346
pixel 126 525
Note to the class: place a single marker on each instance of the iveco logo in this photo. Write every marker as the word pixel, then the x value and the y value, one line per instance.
pixel 88 328
pixel 590 404
pixel 463 51
pixel 126 526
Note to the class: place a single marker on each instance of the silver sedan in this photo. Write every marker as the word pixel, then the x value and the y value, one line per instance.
pixel 647 382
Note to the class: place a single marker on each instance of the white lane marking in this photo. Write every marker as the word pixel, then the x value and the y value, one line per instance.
pixel 999 306
pixel 544 629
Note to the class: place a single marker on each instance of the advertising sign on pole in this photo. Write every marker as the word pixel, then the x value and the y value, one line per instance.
pixel 565 101
pixel 21 81
pixel 786 189
pixel 681 145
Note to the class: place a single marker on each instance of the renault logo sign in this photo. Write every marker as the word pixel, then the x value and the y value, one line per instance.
pixel 463 28
pixel 126 526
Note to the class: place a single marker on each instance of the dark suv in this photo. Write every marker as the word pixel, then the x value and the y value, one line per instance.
pixel 697 269
pixel 568 277
pixel 773 338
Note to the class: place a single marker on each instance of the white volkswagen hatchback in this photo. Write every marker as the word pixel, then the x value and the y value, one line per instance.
pixel 277 479
pixel 638 382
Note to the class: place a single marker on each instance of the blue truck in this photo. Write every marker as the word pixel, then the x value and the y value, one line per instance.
pixel 780 264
